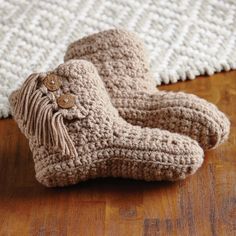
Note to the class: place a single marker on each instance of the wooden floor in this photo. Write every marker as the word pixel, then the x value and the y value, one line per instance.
pixel 203 204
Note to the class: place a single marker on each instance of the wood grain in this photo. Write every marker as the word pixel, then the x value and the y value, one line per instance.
pixel 203 204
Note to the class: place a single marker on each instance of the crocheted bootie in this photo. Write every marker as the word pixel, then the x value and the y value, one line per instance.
pixel 76 134
pixel 120 58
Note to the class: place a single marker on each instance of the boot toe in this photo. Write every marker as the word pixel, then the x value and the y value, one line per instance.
pixel 196 118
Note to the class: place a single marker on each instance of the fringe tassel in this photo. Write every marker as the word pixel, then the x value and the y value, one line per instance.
pixel 35 109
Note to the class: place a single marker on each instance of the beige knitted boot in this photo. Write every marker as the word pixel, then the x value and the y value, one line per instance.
pixel 76 134
pixel 121 61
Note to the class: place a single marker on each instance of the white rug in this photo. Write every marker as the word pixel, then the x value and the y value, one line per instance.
pixel 185 38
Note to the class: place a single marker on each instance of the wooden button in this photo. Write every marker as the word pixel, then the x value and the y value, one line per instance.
pixel 66 101
pixel 52 82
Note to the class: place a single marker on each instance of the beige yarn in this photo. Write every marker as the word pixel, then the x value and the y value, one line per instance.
pixel 90 139
pixel 120 58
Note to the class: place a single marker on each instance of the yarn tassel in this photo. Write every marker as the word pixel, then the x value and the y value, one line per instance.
pixel 35 109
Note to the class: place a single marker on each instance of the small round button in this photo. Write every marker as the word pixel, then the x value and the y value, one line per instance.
pixel 66 101
pixel 52 82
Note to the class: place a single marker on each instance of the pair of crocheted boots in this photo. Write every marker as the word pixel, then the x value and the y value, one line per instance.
pixel 99 114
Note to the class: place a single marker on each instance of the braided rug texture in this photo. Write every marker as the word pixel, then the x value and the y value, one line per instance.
pixel 186 38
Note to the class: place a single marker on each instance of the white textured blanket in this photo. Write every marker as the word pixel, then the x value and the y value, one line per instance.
pixel 185 38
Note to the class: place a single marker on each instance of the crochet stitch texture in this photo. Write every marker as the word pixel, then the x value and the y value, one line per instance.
pixel 121 60
pixel 89 139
